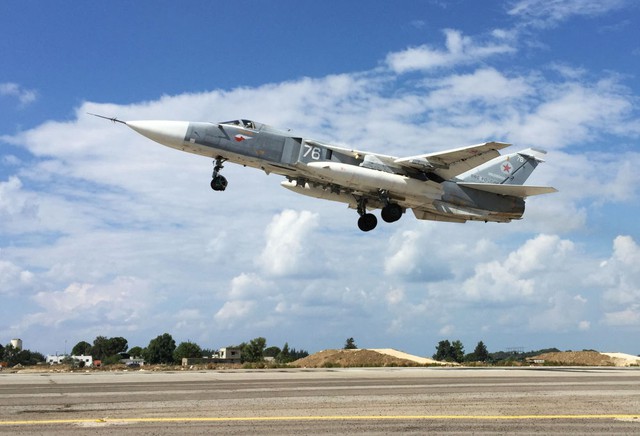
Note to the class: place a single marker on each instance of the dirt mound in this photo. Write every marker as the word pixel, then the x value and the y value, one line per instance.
pixel 581 358
pixel 623 359
pixel 351 358
pixel 403 355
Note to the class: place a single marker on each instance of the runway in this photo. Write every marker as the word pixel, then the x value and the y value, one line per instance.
pixel 330 401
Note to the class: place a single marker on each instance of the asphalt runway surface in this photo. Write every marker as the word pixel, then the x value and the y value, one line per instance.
pixel 323 401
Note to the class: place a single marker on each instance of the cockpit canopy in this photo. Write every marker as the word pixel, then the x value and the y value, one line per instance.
pixel 247 124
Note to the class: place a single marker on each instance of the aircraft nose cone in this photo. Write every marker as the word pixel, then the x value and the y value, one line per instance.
pixel 169 133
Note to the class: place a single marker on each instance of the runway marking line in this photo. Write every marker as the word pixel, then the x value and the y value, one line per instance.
pixel 318 418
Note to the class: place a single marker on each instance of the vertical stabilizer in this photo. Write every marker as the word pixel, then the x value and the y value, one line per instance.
pixel 510 169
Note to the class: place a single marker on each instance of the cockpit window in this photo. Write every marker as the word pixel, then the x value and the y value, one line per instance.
pixel 247 124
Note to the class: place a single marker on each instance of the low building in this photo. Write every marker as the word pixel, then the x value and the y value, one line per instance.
pixel 223 355
pixel 57 359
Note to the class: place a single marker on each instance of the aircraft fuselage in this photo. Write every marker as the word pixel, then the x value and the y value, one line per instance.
pixel 363 180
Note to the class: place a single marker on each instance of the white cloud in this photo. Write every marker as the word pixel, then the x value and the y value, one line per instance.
pixel 619 276
pixel 516 278
pixel 24 96
pixel 235 313
pixel 546 13
pixel 287 250
pixel 14 279
pixel 575 112
pixel 459 50
pixel 124 300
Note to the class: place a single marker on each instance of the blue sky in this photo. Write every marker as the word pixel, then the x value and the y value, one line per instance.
pixel 104 233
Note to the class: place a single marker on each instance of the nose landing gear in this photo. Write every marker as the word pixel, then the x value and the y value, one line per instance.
pixel 218 182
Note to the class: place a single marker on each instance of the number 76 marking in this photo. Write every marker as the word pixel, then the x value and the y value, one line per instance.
pixel 312 151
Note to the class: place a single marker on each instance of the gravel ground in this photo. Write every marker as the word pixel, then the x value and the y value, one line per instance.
pixel 351 401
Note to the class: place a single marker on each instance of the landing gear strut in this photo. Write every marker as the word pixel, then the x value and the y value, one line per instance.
pixel 218 182
pixel 367 221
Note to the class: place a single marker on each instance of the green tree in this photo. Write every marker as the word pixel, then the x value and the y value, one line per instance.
pixel 186 349
pixel 104 347
pixel 457 351
pixel 284 356
pixel 135 352
pixel 208 352
pixel 271 351
pixel 298 354
pixel 481 353
pixel 160 349
pixel 443 351
pixel 253 351
pixel 81 348
pixel 14 356
pixel 350 344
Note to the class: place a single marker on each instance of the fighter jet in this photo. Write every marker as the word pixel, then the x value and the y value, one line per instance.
pixel 474 183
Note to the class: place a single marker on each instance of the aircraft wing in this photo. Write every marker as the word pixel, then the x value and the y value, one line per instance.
pixel 450 163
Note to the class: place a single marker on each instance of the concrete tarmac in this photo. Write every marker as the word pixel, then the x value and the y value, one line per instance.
pixel 329 401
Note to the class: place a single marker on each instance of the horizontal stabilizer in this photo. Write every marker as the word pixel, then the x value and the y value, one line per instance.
pixel 512 190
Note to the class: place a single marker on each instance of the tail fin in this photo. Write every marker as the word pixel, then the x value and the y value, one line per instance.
pixel 510 169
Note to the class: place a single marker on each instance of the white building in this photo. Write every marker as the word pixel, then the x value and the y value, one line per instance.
pixel 58 358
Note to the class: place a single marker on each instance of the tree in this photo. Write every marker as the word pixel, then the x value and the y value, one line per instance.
pixel 457 351
pixel 104 347
pixel 481 353
pixel 253 351
pixel 160 349
pixel 81 348
pixel 449 351
pixel 14 356
pixel 135 352
pixel 350 344
pixel 186 349
pixel 443 350
pixel 208 352
pixel 271 351
pixel 284 356
pixel 298 354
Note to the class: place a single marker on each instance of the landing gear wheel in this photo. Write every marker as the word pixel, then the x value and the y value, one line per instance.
pixel 391 213
pixel 367 222
pixel 219 183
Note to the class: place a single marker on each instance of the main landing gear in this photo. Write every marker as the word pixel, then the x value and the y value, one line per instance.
pixel 390 213
pixel 367 221
pixel 218 182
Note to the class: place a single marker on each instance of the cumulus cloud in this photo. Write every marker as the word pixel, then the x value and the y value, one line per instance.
pixel 516 278
pixel 287 248
pixel 124 299
pixel 619 276
pixel 459 50
pixel 235 313
pixel 24 96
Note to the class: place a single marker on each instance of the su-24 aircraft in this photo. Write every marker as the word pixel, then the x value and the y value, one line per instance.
pixel 469 183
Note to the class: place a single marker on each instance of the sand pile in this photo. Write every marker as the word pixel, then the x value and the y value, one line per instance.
pixel 361 358
pixel 588 358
